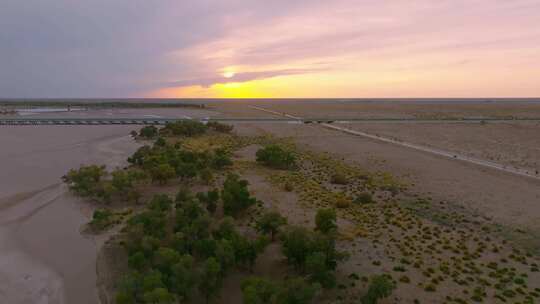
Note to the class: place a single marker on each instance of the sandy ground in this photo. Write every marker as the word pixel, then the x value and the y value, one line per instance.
pixel 348 109
pixel 44 257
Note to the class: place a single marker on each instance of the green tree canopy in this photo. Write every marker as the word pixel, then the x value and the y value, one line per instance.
pixel 275 156
pixel 269 223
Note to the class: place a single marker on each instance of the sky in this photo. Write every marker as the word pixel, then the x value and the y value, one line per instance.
pixel 269 49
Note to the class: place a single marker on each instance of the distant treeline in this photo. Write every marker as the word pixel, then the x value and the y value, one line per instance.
pixel 97 104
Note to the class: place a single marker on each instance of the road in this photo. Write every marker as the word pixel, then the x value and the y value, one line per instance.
pixel 454 156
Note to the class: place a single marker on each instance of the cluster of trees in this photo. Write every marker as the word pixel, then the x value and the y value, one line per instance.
pixel 296 290
pixel 176 249
pixel 158 163
pixel 313 253
pixel 164 162
pixel 186 128
pixel 97 183
pixel 219 127
pixel 276 157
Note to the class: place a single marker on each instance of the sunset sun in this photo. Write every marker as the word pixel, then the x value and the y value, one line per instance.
pixel 229 74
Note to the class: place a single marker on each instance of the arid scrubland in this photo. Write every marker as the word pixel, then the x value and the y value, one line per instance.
pixel 176 242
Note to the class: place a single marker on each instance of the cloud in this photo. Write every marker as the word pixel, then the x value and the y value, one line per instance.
pixel 239 77
pixel 126 48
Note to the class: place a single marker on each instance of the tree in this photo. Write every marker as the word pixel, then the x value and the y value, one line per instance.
pixel 148 132
pixel 325 220
pixel 129 288
pixel 184 277
pixel 183 196
pixel 121 180
pixel 245 251
pixel 318 270
pixel 259 291
pixel 161 203
pixel 165 258
pixel 159 296
pixel 296 246
pixel 235 196
pixel 381 286
pixel 210 279
pixel 210 198
pixel 276 157
pixel 186 170
pixel 206 176
pixel 297 291
pixel 152 280
pixel 206 247
pixel 162 173
pixel 86 180
pixel 225 255
pixel 137 260
pixel 226 230
pixel 160 142
pixel 270 222
pixel 221 159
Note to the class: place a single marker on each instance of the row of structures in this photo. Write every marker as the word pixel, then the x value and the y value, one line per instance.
pixel 67 121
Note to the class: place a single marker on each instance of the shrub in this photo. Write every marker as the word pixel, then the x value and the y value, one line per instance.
pixel 288 187
pixel 101 219
pixel 276 157
pixel 364 198
pixel 339 179
pixel 325 220
pixel 342 202
pixel 381 287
